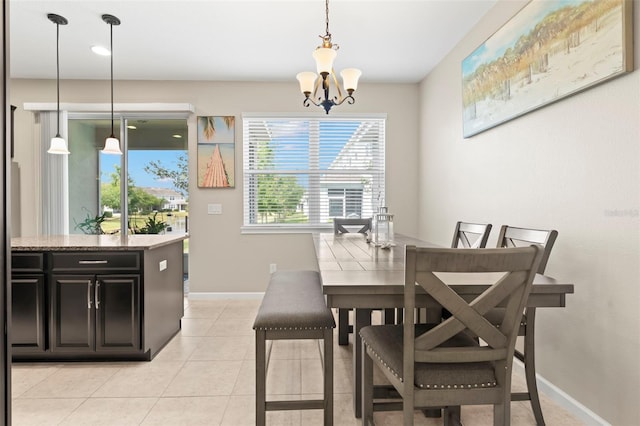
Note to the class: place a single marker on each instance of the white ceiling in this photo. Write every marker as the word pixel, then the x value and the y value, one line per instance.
pixel 241 40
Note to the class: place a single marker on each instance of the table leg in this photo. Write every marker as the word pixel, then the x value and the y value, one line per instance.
pixel 343 327
pixel 452 416
pixel 362 319
pixel 389 316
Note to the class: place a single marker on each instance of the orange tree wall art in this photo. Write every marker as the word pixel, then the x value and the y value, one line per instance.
pixel 549 50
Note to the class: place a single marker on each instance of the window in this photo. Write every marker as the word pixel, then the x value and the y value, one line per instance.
pixel 301 172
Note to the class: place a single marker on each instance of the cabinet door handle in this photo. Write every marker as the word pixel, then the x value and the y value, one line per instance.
pixel 97 294
pixel 89 294
pixel 93 262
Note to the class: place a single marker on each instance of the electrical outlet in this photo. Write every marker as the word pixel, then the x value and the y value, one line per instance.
pixel 272 268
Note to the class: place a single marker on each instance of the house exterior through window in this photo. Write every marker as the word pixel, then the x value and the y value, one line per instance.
pixel 171 199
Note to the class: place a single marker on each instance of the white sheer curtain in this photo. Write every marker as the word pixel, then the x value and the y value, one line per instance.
pixel 54 185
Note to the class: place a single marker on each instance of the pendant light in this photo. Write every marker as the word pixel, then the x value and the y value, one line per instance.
pixel 112 144
pixel 58 144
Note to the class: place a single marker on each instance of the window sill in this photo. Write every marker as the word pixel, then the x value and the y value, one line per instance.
pixel 284 229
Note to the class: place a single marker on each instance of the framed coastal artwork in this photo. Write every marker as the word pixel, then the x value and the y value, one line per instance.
pixel 549 50
pixel 216 152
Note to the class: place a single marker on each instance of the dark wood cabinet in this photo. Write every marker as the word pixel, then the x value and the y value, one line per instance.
pixel 117 307
pixel 93 304
pixel 95 313
pixel 72 317
pixel 98 311
pixel 28 313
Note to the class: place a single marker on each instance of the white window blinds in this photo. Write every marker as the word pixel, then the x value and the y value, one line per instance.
pixel 303 172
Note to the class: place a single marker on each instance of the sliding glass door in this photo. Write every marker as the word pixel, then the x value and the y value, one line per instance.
pixel 157 176
pixel 152 174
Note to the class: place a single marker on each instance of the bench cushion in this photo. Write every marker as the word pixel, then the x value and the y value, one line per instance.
pixel 294 300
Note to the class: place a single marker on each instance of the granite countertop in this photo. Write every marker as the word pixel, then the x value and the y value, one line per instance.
pixel 92 242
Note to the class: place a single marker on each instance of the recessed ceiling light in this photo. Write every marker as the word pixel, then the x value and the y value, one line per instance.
pixel 100 50
pixel 177 136
pixel 132 127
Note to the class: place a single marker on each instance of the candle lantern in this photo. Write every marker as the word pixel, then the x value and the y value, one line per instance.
pixel 384 227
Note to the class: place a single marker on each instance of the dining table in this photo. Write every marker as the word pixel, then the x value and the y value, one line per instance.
pixel 360 275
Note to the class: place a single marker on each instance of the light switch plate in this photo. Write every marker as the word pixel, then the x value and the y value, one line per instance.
pixel 214 208
pixel 162 265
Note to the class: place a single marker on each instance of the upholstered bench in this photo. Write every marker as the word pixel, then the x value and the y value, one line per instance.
pixel 293 307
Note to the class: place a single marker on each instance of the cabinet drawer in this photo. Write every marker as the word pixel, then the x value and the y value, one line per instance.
pixel 27 262
pixel 95 261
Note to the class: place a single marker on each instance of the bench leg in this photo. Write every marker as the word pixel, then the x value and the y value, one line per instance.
pixel 261 378
pixel 328 377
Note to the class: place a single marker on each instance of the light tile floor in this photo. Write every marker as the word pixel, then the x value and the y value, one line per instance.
pixel 205 376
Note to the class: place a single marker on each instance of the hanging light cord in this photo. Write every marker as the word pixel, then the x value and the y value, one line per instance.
pixel 326 39
pixel 58 145
pixel 58 75
pixel 111 27
pixel 327 17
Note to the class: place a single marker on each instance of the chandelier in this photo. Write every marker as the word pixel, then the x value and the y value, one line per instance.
pixel 324 56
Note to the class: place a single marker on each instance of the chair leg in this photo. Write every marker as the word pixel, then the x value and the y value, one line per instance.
pixel 407 411
pixel 530 366
pixel 502 414
pixel 408 402
pixel 367 387
pixel 343 327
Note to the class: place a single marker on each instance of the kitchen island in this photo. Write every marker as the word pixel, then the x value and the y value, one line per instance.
pixel 95 297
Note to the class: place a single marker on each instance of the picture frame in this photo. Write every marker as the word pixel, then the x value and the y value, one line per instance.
pixel 216 151
pixel 548 51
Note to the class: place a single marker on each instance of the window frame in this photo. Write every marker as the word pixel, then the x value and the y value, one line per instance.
pixel 249 209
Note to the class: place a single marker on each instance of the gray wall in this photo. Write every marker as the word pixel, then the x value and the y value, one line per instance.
pixel 221 259
pixel 573 166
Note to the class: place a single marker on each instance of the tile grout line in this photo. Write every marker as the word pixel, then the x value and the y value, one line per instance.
pixel 150 410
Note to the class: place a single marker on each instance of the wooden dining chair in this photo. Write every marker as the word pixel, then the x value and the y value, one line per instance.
pixel 342 226
pixel 445 364
pixel 465 235
pixel 517 237
pixel 471 235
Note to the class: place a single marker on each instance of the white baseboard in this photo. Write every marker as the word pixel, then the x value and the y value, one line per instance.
pixel 563 399
pixel 223 296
